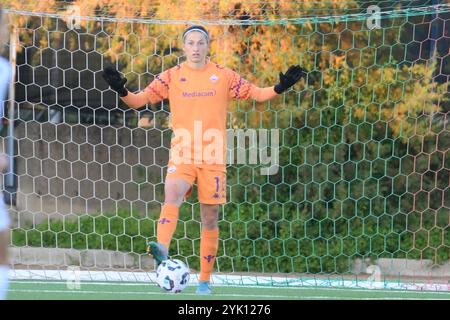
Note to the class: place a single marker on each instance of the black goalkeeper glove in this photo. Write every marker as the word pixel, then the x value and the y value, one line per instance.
pixel 115 80
pixel 287 80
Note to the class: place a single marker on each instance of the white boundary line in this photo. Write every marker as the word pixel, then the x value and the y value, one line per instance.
pixel 305 288
pixel 271 296
pixel 114 277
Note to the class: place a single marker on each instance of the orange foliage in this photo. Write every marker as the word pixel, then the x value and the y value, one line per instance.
pixel 259 51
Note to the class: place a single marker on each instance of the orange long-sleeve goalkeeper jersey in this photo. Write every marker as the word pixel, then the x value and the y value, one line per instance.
pixel 198 104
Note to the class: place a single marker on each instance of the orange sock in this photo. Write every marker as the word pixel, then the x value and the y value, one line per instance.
pixel 209 243
pixel 167 224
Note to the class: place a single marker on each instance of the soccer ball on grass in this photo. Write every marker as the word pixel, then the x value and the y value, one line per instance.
pixel 172 275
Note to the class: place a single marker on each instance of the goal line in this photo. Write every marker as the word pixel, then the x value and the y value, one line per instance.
pixel 127 277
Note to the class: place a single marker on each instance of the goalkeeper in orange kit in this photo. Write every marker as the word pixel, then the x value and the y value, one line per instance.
pixel 199 92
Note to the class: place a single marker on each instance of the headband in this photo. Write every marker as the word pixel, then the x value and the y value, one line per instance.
pixel 198 29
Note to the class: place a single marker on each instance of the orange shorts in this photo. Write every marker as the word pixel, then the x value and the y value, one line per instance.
pixel 211 183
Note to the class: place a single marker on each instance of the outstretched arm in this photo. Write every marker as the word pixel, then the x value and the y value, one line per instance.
pixel 136 100
pixel 155 92
pixel 262 94
pixel 241 89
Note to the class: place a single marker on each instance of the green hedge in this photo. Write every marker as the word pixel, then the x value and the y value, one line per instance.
pixel 331 202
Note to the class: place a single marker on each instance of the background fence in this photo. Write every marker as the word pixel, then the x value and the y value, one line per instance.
pixel 364 155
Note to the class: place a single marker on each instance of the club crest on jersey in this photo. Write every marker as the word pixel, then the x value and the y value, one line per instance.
pixel 171 169
pixel 214 78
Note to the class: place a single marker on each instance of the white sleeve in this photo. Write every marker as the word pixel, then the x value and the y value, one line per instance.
pixel 5 79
